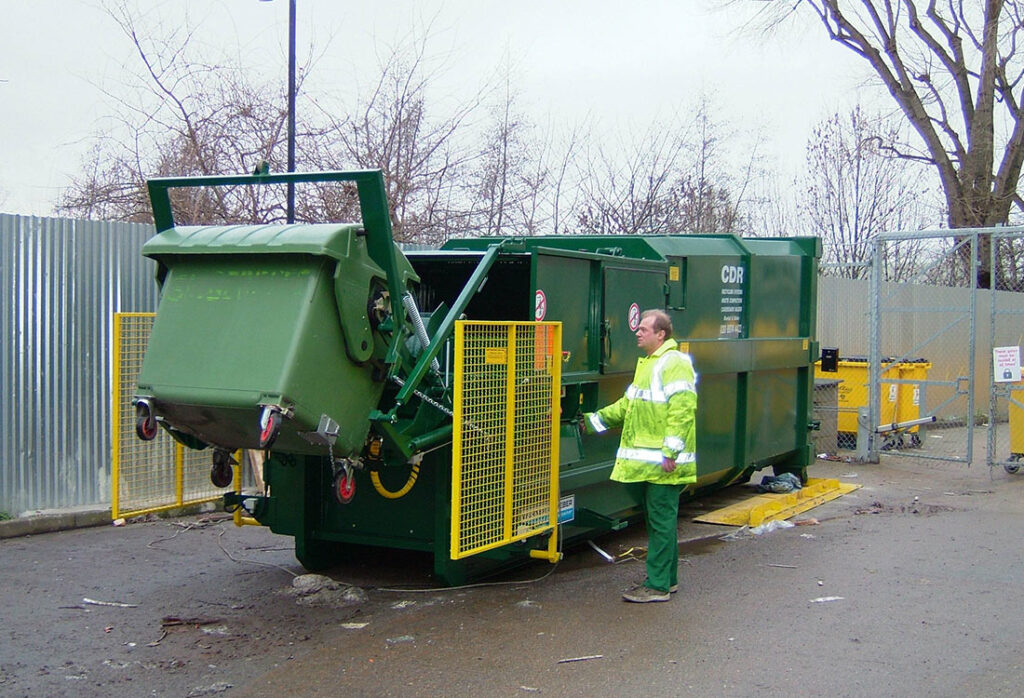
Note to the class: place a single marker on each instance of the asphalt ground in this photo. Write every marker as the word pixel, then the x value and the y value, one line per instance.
pixel 905 587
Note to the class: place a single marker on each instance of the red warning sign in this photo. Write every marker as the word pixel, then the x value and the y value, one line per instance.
pixel 540 306
pixel 634 317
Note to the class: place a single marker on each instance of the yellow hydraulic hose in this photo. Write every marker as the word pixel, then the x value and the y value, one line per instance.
pixel 384 492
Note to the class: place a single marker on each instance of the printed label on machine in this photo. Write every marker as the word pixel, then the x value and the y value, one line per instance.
pixel 495 356
pixel 732 301
pixel 567 508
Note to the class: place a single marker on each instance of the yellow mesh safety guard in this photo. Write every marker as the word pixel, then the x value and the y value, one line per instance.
pixel 505 439
pixel 148 476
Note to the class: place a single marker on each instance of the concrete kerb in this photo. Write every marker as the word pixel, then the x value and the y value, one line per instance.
pixel 50 521
pixel 35 523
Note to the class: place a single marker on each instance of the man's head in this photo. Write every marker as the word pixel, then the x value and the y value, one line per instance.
pixel 655 328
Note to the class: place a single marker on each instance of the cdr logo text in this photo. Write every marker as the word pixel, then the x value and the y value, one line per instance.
pixel 732 274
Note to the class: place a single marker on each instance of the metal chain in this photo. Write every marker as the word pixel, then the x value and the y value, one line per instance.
pixel 430 401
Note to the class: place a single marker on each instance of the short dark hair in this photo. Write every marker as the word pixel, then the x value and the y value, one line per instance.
pixel 662 322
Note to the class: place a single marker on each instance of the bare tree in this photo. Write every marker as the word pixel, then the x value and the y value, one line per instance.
pixel 549 198
pixel 1009 257
pixel 772 209
pixel 710 195
pixel 561 199
pixel 187 117
pixel 627 190
pixel 954 70
pixel 537 180
pixel 855 190
pixel 519 181
pixel 392 128
pixel 672 178
pixel 499 176
pixel 627 181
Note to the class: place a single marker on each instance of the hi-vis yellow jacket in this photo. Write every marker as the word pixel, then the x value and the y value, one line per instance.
pixel 657 415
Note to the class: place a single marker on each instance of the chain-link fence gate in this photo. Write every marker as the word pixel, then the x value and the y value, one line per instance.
pixel 1006 395
pixel 941 303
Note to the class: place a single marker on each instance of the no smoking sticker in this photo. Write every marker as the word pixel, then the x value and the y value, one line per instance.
pixel 540 306
pixel 634 317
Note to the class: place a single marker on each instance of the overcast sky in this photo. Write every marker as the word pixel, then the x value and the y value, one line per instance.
pixel 615 62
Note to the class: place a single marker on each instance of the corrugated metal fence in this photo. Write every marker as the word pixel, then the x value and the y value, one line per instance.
pixel 61 281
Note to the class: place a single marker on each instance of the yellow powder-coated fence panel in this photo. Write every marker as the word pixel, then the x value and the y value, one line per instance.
pixel 155 475
pixel 505 439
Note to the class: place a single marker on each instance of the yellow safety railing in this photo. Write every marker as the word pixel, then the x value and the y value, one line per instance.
pixel 256 460
pixel 148 476
pixel 505 439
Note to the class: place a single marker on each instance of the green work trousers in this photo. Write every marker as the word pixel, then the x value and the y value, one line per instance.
pixel 661 514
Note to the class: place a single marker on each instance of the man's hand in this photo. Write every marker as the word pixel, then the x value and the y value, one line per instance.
pixel 668 464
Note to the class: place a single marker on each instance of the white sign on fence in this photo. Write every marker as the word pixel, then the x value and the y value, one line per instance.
pixel 1006 364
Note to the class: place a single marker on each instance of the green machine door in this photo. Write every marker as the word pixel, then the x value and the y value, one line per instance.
pixel 562 294
pixel 627 293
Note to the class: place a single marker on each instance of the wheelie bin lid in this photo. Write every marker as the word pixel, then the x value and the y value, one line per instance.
pixel 323 239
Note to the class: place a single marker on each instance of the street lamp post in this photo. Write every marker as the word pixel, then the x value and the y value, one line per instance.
pixel 291 108
pixel 290 211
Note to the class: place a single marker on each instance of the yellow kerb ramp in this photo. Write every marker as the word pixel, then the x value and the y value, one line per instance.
pixel 769 507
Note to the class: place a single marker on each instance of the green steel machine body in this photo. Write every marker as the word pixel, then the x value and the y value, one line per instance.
pixel 330 349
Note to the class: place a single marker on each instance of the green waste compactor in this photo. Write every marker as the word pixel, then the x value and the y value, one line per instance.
pixel 352 365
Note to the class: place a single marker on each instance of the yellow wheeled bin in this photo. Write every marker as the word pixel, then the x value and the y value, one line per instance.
pixel 1017 422
pixel 907 404
pixel 901 402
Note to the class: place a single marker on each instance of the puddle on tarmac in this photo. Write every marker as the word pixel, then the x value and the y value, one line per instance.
pixel 701 546
pixel 919 508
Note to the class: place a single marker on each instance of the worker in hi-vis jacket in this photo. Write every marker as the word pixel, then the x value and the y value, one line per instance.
pixel 657 453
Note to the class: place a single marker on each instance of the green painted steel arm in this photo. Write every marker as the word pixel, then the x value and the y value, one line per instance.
pixel 448 324
pixel 373 204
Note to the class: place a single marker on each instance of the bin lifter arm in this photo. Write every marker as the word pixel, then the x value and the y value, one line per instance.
pixel 373 205
pixel 443 332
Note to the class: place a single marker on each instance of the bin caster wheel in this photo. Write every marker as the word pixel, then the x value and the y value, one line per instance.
pixel 221 474
pixel 345 487
pixel 1012 468
pixel 145 422
pixel 270 427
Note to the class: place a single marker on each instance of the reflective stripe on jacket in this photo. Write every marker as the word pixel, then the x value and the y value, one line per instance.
pixel 657 415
